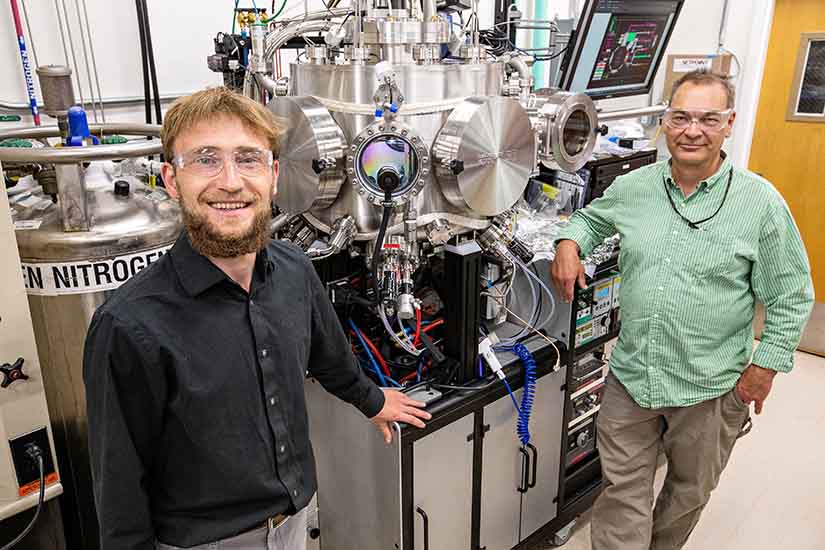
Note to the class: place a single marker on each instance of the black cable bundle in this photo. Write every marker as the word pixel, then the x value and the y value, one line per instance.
pixel 147 57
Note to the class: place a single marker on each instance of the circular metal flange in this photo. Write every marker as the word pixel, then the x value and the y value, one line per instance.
pixel 568 131
pixel 484 154
pixel 370 141
pixel 312 152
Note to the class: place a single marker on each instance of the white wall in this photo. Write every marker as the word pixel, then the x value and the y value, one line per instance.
pixel 182 33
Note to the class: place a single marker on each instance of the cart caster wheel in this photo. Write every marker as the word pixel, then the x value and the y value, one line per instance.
pixel 562 536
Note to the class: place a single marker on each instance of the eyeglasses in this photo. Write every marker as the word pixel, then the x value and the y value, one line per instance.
pixel 210 161
pixel 709 121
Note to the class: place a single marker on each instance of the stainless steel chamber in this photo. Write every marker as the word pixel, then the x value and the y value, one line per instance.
pixel 471 128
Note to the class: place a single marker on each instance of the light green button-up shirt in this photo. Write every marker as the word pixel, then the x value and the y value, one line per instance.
pixel 687 295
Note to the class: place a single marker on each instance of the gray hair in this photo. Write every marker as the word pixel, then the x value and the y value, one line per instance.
pixel 705 77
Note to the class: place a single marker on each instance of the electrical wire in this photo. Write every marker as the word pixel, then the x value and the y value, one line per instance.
pixel 417 338
pixel 377 354
pixel 235 15
pixel 382 313
pixel 40 498
pixel 152 69
pixel 376 253
pixel 147 102
pixel 465 388
pixel 436 323
pixel 275 16
pixel 512 396
pixel 544 287
pixel 375 366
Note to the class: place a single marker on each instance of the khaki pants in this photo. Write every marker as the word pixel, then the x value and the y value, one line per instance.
pixel 697 441
pixel 292 535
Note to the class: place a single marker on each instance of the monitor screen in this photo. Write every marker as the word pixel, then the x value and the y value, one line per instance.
pixel 618 46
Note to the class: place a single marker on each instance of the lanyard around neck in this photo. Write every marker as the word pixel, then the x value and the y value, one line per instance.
pixel 692 224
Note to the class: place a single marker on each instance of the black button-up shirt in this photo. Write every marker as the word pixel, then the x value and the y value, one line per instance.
pixel 198 427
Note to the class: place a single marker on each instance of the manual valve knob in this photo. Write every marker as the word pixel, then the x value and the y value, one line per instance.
pixel 12 373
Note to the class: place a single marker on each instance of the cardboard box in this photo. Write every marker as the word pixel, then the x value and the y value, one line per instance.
pixel 678 65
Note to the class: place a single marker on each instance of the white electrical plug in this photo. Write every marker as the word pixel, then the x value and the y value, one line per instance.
pixel 485 349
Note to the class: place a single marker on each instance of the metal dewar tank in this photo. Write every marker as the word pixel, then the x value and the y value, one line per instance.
pixel 69 273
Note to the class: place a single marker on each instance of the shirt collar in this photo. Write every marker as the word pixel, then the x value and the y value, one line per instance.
pixel 197 274
pixel 707 184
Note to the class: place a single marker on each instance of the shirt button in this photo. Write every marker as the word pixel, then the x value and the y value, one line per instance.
pixel 264 353
pixel 272 401
pixel 295 492
pixel 282 449
pixel 655 315
pixel 675 232
pixel 667 260
pixel 661 288
pixel 653 341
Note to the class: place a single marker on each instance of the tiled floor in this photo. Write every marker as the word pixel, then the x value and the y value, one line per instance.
pixel 772 494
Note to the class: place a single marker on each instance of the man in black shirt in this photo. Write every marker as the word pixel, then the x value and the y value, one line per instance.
pixel 194 369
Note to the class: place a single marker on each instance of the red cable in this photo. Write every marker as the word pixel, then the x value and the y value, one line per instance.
pixel 434 324
pixel 378 356
pixel 417 338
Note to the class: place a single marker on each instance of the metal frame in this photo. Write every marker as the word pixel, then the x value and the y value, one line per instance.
pixel 805 41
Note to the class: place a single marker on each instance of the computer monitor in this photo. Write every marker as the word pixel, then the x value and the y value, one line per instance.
pixel 618 46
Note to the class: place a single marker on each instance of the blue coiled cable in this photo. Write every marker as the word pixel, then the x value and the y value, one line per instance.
pixel 529 394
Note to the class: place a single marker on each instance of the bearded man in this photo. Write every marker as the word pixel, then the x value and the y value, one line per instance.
pixel 194 369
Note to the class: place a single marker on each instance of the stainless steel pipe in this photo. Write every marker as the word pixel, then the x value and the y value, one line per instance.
pixel 69 155
pixel 114 101
pixel 653 110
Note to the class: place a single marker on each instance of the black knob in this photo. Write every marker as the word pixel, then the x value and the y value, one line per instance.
pixel 314 533
pixel 122 188
pixel 318 166
pixel 602 129
pixel 12 373
pixel 456 166
pixel 388 179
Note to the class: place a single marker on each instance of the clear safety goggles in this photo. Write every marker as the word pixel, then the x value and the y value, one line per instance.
pixel 707 120
pixel 210 161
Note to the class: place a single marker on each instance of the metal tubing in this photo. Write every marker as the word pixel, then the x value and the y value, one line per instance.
pixel 72 199
pixel 429 10
pixel 268 84
pixel 94 62
pixel 71 155
pixel 632 113
pixel 29 30
pixel 113 101
pixel 86 59
pixel 74 56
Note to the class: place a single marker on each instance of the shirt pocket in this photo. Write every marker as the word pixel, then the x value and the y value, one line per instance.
pixel 708 254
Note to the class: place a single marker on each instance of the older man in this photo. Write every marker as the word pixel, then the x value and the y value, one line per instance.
pixel 195 369
pixel 702 240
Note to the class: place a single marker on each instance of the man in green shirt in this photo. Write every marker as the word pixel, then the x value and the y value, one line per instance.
pixel 701 241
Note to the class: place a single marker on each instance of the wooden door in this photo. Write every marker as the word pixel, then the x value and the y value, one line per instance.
pixel 792 154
